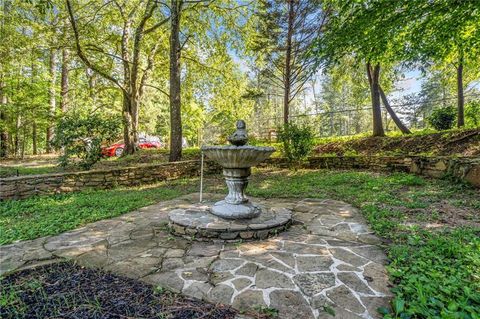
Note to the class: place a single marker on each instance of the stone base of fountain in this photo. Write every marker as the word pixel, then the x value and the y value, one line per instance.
pixel 196 222
pixel 235 211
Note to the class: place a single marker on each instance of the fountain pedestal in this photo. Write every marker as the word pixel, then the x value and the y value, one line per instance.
pixel 236 205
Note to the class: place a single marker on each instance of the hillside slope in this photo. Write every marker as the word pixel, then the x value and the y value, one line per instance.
pixel 454 142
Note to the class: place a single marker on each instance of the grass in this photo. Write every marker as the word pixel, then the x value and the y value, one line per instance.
pixel 7 171
pixel 50 215
pixel 430 227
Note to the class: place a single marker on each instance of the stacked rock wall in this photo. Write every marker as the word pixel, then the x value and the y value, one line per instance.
pixel 29 185
pixel 463 169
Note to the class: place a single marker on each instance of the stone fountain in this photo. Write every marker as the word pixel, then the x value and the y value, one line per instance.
pixel 234 217
pixel 237 161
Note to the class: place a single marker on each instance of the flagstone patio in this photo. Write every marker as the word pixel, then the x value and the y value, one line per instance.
pixel 328 259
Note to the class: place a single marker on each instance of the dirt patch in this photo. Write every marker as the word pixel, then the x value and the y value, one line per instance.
pixel 455 216
pixel 65 290
pixel 440 214
pixel 461 143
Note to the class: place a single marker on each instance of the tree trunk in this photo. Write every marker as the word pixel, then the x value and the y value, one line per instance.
pixel 18 123
pixel 64 81
pixel 175 102
pixel 373 79
pixel 23 142
pixel 92 82
pixel 3 95
pixel 460 95
pixel 52 100
pixel 129 129
pixel 34 137
pixel 3 136
pixel 392 113
pixel 288 58
pixel 3 120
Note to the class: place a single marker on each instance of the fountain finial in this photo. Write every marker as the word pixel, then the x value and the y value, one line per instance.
pixel 239 137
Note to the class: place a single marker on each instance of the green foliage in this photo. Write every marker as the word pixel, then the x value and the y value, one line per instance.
pixel 472 113
pixel 443 118
pixel 437 275
pixel 297 141
pixel 50 215
pixel 81 136
pixel 268 311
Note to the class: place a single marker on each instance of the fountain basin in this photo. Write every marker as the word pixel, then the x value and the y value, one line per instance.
pixel 244 156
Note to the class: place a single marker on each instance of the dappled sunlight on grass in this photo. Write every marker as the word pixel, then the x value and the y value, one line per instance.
pixel 381 198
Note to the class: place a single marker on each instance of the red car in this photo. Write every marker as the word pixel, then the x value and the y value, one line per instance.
pixel 116 149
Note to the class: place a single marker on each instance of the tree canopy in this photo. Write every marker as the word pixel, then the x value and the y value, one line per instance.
pixel 186 70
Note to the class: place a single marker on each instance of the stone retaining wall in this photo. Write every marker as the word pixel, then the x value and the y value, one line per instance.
pixel 29 185
pixel 463 169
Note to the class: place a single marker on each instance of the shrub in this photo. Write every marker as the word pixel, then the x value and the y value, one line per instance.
pixel 297 141
pixel 472 114
pixel 82 137
pixel 443 118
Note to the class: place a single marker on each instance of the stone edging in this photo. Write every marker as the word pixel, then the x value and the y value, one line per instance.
pixel 465 169
pixel 195 222
pixel 226 236
pixel 26 186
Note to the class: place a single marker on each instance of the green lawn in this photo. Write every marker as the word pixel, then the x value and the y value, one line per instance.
pixel 50 215
pixel 9 171
pixel 430 227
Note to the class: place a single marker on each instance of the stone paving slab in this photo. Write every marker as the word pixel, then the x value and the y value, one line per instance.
pixel 328 258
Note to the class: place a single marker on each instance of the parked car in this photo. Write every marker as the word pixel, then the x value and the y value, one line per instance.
pixel 116 149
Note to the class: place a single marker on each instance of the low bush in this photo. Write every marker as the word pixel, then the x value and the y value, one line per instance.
pixel 472 114
pixel 81 137
pixel 443 118
pixel 297 141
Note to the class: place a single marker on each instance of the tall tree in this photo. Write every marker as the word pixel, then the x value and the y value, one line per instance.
pixel 175 100
pixel 5 52
pixel 133 59
pixel 443 32
pixel 52 97
pixel 373 74
pixel 3 120
pixel 198 30
pixel 64 80
pixel 65 64
pixel 392 113
pixel 360 29
pixel 287 29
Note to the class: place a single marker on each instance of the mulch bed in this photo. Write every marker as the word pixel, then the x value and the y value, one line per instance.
pixel 65 290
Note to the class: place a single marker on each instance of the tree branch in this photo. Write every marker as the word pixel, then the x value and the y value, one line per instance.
pixel 81 54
